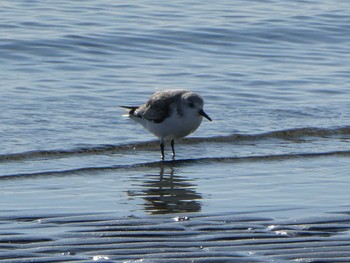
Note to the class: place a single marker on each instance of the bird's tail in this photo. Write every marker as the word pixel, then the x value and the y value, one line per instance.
pixel 130 108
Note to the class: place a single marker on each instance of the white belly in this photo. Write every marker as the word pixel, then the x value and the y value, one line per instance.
pixel 173 127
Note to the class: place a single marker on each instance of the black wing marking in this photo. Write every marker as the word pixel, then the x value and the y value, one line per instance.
pixel 131 108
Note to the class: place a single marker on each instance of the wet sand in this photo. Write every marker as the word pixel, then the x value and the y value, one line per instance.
pixel 183 238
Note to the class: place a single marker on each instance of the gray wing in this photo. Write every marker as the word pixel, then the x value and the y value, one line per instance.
pixel 158 106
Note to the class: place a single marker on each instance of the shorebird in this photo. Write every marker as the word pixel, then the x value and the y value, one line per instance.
pixel 170 115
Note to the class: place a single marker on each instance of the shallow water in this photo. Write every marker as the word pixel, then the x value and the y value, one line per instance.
pixel 287 178
pixel 274 76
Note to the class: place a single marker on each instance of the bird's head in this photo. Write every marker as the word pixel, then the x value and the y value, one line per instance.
pixel 194 103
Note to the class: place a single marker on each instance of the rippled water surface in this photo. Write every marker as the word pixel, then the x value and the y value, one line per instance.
pixel 274 76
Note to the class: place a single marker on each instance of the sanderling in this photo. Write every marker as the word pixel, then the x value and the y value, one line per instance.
pixel 170 115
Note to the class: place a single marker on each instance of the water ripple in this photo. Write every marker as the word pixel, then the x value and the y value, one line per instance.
pixel 290 134
pixel 180 162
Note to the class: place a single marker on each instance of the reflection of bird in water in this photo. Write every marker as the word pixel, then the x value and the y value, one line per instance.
pixel 167 193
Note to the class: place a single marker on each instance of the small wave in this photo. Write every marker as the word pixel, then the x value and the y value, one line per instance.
pixel 179 162
pixel 94 150
pixel 289 134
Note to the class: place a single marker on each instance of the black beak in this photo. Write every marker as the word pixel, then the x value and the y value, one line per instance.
pixel 201 112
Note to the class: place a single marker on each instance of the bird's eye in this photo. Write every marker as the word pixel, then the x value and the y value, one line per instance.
pixel 191 105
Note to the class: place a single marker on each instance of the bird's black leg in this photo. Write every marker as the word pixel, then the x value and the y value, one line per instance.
pixel 173 148
pixel 162 149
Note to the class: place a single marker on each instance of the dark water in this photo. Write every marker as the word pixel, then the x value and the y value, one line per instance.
pixel 275 79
